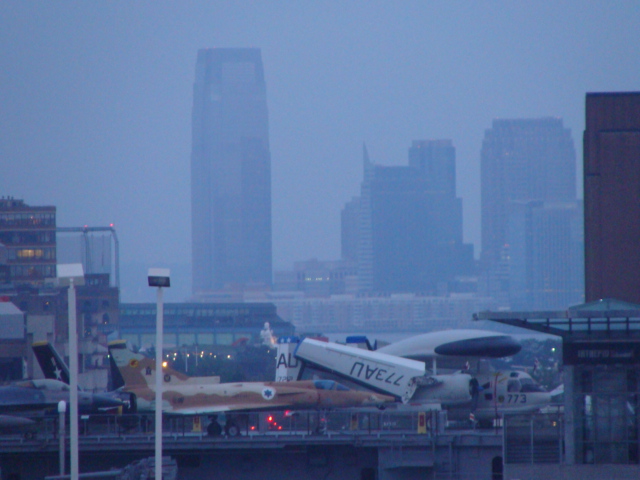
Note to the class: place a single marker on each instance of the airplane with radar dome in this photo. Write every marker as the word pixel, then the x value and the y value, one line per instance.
pixel 450 368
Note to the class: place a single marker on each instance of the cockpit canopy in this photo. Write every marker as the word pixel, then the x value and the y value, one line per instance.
pixel 329 385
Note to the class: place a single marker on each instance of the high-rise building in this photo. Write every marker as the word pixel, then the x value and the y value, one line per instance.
pixel 410 224
pixel 612 196
pixel 28 235
pixel 527 165
pixel 349 222
pixel 230 171
pixel 545 255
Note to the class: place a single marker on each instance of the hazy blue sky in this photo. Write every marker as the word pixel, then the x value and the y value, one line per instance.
pixel 95 102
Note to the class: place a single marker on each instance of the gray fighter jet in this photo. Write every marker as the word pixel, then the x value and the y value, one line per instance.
pixel 23 402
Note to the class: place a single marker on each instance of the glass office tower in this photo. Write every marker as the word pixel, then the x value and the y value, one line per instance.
pixel 230 171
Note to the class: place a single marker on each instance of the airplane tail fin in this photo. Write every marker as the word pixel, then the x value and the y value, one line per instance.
pixel 288 367
pixel 131 369
pixel 360 341
pixel 117 381
pixel 50 362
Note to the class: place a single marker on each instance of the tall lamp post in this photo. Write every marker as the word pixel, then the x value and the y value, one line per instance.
pixel 159 277
pixel 72 275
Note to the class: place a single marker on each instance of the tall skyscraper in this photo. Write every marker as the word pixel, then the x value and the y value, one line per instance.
pixel 410 224
pixel 230 171
pixel 528 184
pixel 612 196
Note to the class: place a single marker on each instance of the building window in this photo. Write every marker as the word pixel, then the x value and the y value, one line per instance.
pixel 607 415
pixel 26 254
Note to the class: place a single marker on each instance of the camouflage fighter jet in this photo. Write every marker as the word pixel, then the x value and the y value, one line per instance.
pixel 182 396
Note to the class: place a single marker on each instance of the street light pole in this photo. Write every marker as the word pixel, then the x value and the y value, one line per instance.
pixel 159 277
pixel 72 275
pixel 73 381
pixel 159 344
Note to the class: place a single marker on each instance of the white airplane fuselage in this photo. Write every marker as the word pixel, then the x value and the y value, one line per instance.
pixel 498 392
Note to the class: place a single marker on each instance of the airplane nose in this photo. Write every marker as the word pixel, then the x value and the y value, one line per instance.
pixel 376 399
pixel 106 402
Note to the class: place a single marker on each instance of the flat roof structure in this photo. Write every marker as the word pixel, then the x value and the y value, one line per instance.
pixel 613 318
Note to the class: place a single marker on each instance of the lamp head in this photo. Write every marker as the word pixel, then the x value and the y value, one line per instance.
pixel 159 277
pixel 66 272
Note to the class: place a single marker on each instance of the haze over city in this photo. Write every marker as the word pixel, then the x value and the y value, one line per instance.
pixel 95 112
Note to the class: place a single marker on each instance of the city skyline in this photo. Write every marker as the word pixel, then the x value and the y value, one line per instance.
pixel 96 104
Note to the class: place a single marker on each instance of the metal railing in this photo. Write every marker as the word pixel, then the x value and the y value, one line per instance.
pixel 247 425
pixel 534 439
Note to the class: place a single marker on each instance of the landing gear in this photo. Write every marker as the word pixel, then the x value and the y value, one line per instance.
pixel 485 423
pixel 231 429
pixel 231 425
pixel 214 429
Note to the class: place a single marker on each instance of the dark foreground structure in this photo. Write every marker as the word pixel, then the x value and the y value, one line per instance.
pixel 601 367
pixel 612 196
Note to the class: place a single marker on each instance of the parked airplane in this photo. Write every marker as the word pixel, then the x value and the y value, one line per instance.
pixel 501 391
pixel 387 369
pixel 183 396
pixel 53 367
pixel 405 379
pixel 505 391
pixel 22 401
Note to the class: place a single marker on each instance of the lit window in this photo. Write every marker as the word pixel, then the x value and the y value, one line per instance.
pixel 30 253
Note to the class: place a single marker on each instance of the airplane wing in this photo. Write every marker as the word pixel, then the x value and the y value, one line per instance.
pixel 213 409
pixel 15 421
pixel 385 373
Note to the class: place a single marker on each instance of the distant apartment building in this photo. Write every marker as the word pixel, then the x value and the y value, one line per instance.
pixel 28 260
pixel 315 278
pixel 407 312
pixel 28 241
pixel 409 224
pixel 612 196
pixel 230 171
pixel 528 201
